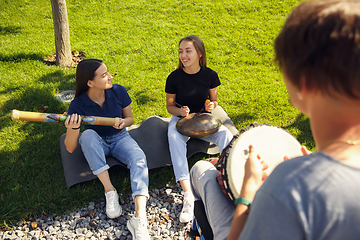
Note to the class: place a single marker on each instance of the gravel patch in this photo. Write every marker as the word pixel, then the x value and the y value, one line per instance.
pixel 163 209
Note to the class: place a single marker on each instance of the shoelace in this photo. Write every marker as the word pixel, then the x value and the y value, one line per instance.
pixel 142 229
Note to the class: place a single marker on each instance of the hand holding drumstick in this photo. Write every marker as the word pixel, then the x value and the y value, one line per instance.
pixel 184 110
pixel 209 106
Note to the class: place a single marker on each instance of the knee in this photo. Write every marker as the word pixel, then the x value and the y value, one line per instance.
pixel 200 167
pixel 88 133
pixel 227 135
pixel 88 136
pixel 140 160
pixel 225 131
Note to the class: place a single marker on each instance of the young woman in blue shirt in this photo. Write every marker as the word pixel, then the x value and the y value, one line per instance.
pixel 96 95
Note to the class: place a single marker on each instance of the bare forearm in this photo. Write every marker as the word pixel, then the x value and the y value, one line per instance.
pixel 71 139
pixel 241 212
pixel 174 110
pixel 215 103
pixel 128 121
pixel 238 222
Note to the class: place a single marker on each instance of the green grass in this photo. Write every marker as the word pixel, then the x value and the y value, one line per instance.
pixel 138 40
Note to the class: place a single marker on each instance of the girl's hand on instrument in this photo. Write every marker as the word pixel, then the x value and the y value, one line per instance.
pixel 184 111
pixel 73 121
pixel 209 106
pixel 121 125
pixel 304 151
pixel 256 171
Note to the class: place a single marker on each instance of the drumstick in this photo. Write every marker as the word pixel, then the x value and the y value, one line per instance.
pixel 51 117
pixel 172 101
pixel 207 102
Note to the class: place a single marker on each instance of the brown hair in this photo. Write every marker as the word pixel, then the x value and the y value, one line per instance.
pixel 85 71
pixel 320 41
pixel 199 47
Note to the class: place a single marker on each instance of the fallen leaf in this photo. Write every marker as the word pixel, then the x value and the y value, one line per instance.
pixel 152 220
pixel 34 225
pixel 43 108
pixel 91 214
pixel 93 224
pixel 166 216
pixel 169 200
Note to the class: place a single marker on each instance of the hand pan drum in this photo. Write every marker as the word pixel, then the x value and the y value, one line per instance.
pixel 198 125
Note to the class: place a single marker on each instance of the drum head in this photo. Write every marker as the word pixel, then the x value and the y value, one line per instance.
pixel 272 143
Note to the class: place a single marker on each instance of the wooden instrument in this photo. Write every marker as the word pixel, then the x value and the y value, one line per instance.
pixel 51 117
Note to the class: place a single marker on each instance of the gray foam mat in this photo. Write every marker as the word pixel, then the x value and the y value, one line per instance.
pixel 151 135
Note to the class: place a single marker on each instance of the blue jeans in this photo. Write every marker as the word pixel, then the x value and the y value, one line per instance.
pixel 124 148
pixel 177 146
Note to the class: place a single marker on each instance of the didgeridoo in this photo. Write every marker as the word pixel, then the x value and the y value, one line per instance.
pixel 51 117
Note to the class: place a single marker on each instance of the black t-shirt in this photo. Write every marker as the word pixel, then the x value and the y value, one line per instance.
pixel 192 90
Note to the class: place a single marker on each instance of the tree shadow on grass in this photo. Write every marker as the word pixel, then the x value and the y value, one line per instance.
pixel 9 30
pixel 241 120
pixel 64 82
pixel 31 172
pixel 19 57
pixel 142 97
pixel 302 124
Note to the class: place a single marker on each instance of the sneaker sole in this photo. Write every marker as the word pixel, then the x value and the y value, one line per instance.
pixel 131 228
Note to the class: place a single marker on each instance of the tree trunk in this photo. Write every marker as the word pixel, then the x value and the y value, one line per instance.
pixel 62 36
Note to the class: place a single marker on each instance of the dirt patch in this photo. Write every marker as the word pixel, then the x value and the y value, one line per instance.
pixel 76 57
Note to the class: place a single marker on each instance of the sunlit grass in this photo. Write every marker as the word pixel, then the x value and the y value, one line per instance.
pixel 138 40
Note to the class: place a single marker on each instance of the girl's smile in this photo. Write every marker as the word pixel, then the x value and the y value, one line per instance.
pixel 189 57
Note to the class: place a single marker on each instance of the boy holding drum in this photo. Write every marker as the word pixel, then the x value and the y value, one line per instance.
pixel 313 196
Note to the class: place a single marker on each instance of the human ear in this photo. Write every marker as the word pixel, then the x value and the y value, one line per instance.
pixel 303 89
pixel 89 83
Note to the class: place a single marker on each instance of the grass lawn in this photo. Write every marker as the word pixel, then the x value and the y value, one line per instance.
pixel 138 40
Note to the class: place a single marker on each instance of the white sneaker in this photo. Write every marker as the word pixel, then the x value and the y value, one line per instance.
pixel 113 208
pixel 138 228
pixel 187 213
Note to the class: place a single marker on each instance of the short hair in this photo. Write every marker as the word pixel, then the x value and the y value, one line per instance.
pixel 320 41
pixel 199 47
pixel 85 71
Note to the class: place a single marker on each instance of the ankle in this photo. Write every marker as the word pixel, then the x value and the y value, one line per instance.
pixel 109 189
pixel 140 214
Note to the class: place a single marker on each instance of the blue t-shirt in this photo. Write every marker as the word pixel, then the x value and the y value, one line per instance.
pixel 116 99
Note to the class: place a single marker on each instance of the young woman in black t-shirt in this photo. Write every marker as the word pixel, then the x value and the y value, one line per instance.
pixel 190 85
